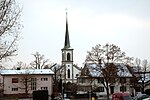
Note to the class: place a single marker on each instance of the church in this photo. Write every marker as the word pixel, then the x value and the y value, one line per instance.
pixel 68 71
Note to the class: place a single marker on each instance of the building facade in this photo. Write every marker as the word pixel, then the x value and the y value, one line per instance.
pixel 88 83
pixel 24 82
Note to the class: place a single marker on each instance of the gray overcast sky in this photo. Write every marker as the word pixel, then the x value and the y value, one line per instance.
pixel 125 23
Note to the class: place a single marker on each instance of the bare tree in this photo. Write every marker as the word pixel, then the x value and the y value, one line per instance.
pixel 144 70
pixel 39 62
pixel 26 80
pixel 145 66
pixel 20 65
pixel 104 57
pixel 138 63
pixel 142 67
pixel 10 28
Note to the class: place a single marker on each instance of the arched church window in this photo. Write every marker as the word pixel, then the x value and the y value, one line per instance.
pixel 68 56
pixel 68 73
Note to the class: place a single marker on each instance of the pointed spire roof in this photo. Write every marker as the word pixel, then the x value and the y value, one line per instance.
pixel 67 41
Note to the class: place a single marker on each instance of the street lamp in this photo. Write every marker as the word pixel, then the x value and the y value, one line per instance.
pixel 90 93
pixel 61 82
pixel 143 79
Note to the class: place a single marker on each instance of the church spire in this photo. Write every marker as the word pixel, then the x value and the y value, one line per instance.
pixel 67 41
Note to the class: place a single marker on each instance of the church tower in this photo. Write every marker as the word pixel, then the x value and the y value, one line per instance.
pixel 67 58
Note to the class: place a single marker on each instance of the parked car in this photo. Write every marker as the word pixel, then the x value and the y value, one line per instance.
pixel 121 96
pixel 147 99
pixel 141 97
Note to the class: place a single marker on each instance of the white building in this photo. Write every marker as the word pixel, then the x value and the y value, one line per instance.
pixel 87 84
pixel 15 82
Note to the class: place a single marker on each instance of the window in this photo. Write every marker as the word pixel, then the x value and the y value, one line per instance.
pixel 122 88
pixel 44 88
pixel 68 73
pixel 14 80
pixel 101 89
pixel 68 56
pixel 14 89
pixel 44 79
pixel 33 83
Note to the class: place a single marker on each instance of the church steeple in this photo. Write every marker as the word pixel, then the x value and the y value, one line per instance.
pixel 67 41
pixel 67 58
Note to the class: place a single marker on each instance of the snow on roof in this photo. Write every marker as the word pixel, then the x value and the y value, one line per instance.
pixel 145 77
pixel 26 71
pixel 122 70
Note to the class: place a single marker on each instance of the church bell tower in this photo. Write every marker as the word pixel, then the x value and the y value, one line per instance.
pixel 67 57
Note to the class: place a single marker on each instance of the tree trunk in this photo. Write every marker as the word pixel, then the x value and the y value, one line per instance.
pixel 142 86
pixel 107 90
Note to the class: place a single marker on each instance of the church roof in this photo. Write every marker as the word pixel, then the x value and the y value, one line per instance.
pixel 77 67
pixel 123 71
